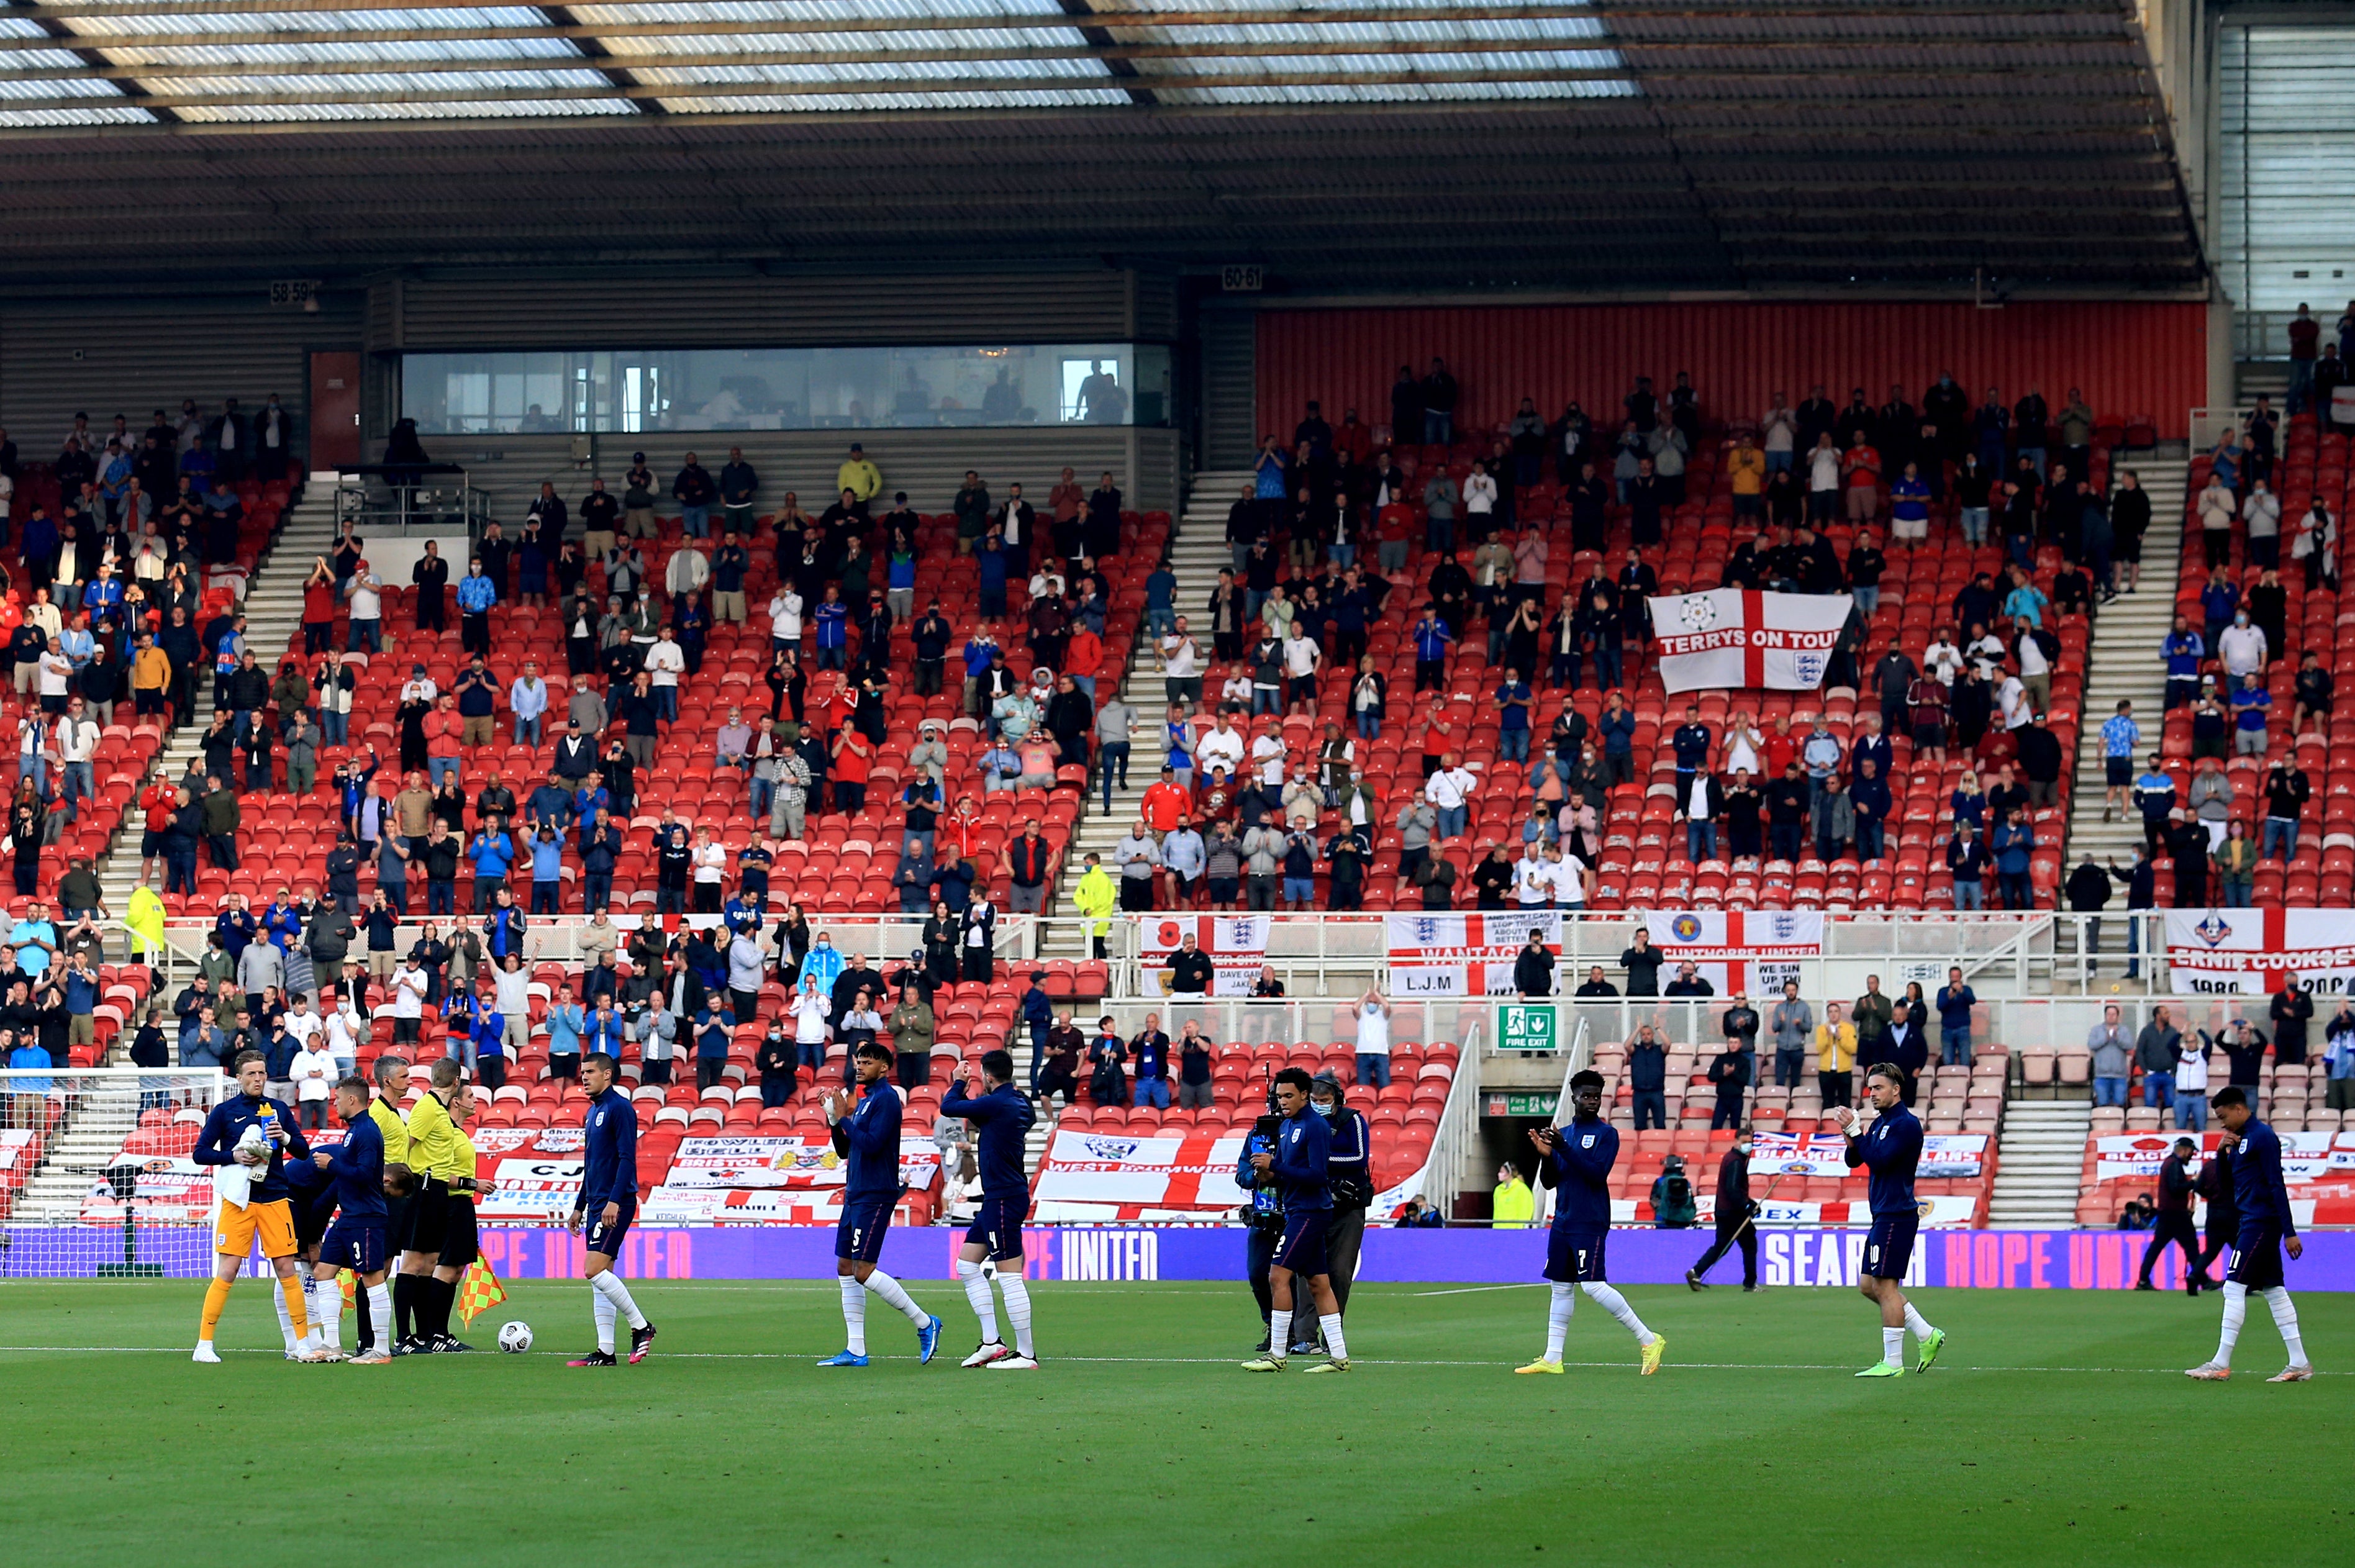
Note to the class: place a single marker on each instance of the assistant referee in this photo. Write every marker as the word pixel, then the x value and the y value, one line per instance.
pixel 437 1152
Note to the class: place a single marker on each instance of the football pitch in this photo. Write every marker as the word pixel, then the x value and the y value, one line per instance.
pixel 2058 1428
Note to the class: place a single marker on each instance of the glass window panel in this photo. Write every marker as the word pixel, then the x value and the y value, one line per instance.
pixel 787 389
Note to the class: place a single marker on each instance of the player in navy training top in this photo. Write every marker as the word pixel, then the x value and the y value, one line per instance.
pixel 608 1201
pixel 1891 1149
pixel 867 1137
pixel 2267 1230
pixel 357 1240
pixel 1576 1162
pixel 1300 1162
pixel 1000 1118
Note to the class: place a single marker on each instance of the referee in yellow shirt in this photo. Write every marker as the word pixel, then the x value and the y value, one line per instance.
pixel 400 1183
pixel 437 1153
pixel 461 1244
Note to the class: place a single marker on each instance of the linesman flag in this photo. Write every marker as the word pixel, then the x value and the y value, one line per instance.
pixel 1733 638
pixel 479 1290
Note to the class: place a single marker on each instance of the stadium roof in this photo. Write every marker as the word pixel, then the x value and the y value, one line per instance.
pixel 1697 143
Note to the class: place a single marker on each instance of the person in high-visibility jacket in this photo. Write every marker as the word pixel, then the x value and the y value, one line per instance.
pixel 1515 1206
pixel 1093 896
pixel 1836 1057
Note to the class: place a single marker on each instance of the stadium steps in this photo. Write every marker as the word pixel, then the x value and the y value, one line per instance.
pixel 2123 663
pixel 96 1124
pixel 273 613
pixel 2041 1158
pixel 1197 550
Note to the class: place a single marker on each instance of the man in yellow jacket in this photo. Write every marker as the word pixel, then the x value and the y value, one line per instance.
pixel 1093 896
pixel 857 475
pixel 1515 1205
pixel 1835 1057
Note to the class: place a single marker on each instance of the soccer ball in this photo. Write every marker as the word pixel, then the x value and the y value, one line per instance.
pixel 515 1339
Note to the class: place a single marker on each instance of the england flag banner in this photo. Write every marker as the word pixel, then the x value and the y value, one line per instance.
pixel 1441 954
pixel 1737 951
pixel 1237 945
pixel 2249 952
pixel 1113 1176
pixel 1725 638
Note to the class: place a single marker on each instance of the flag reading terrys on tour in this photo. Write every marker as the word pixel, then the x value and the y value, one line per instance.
pixel 1733 638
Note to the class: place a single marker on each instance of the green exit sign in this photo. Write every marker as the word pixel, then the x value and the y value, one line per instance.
pixel 1521 1102
pixel 1521 1027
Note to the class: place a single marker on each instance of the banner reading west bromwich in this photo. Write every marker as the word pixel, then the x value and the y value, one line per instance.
pixel 2247 951
pixel 1726 638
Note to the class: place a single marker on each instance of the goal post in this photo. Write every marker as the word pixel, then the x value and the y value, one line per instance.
pixel 96 1176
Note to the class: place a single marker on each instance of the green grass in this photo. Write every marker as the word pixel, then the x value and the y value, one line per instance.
pixel 2057 1427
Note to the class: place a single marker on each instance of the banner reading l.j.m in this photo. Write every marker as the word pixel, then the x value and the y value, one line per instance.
pixel 1805 1256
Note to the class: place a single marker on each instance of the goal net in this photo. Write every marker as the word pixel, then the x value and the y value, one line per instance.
pixel 96 1178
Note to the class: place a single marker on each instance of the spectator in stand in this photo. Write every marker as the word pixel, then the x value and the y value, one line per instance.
pixel 2113 1050
pixel 1968 863
pixel 2287 792
pixel 1955 1001
pixel 2250 702
pixel 2013 847
pixel 1791 1026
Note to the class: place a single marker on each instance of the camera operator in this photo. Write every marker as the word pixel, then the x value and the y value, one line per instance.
pixel 1263 1217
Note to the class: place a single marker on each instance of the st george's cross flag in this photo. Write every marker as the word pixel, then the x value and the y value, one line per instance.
pixel 1734 637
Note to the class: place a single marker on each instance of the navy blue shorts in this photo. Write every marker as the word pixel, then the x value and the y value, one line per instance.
pixel 997 1225
pixel 1889 1246
pixel 1303 1248
pixel 313 1212
pixel 1574 1256
pixel 2117 772
pixel 2256 1258
pixel 359 1245
pixel 859 1234
pixel 601 1237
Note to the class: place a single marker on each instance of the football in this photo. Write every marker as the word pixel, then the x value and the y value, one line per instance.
pixel 515 1339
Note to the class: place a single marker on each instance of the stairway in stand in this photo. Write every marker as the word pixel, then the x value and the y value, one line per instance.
pixel 1198 548
pixel 274 614
pixel 2040 1162
pixel 2123 663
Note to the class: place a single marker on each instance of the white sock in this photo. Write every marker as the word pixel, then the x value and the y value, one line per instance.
pixel 2236 1309
pixel 380 1307
pixel 1919 1325
pixel 1613 1303
pixel 327 1312
pixel 985 1306
pixel 854 1316
pixel 890 1292
pixel 285 1321
pixel 1279 1332
pixel 609 1286
pixel 2285 1319
pixel 1335 1346
pixel 1558 1313
pixel 1018 1310
pixel 1893 1345
pixel 603 1306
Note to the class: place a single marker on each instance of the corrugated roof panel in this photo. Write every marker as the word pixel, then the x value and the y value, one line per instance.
pixel 296 56
pixel 873 70
pixel 405 84
pixel 393 109
pixel 1498 60
pixel 196 19
pixel 791 102
pixel 1469 31
pixel 1398 93
pixel 914 41
pixel 754 13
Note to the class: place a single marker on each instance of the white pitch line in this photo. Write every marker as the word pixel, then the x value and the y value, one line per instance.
pixel 1195 1361
pixel 1477 1289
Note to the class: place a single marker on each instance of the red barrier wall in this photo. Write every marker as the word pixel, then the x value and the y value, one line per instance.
pixel 2132 360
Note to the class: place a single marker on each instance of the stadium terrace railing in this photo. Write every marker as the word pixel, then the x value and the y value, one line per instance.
pixel 2025 953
